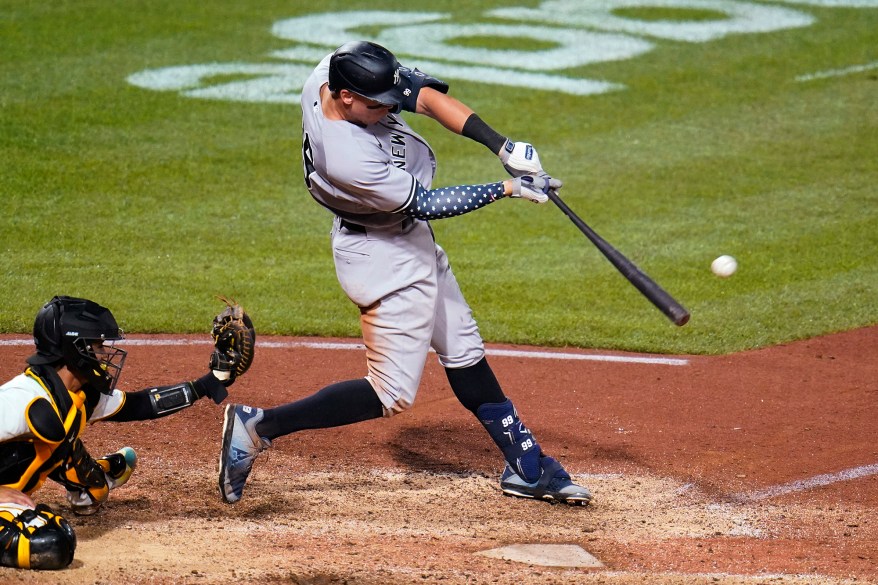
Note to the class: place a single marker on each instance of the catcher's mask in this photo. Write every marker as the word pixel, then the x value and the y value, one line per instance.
pixel 368 70
pixel 79 333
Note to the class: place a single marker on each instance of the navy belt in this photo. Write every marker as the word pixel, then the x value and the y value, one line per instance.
pixel 355 227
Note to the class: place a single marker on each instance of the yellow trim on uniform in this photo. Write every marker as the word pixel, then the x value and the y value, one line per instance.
pixel 34 430
pixel 23 550
pixel 30 374
pixel 121 404
pixel 78 397
pixel 44 450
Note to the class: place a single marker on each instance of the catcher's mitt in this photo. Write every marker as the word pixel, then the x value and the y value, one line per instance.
pixel 234 341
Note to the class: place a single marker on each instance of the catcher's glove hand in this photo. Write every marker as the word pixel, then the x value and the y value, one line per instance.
pixel 234 341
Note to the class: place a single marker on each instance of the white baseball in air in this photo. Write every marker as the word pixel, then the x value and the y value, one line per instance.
pixel 724 266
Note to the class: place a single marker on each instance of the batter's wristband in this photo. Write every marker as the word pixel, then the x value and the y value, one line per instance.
pixel 476 129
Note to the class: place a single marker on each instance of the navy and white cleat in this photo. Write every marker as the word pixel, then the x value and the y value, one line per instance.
pixel 241 445
pixel 554 485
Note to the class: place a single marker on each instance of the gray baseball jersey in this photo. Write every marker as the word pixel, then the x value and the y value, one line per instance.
pixel 388 264
pixel 366 175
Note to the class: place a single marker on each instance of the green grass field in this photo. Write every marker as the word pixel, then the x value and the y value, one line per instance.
pixel 152 202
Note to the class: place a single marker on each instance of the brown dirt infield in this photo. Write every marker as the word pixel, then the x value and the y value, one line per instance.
pixel 758 467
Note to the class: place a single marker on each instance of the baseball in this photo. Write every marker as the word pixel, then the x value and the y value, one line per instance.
pixel 724 266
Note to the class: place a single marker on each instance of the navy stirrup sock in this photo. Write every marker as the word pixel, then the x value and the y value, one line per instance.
pixel 475 385
pixel 335 405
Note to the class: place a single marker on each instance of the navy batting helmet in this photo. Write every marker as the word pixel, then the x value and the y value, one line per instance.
pixel 369 70
pixel 79 333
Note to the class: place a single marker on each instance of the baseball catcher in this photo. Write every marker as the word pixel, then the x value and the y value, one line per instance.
pixel 70 381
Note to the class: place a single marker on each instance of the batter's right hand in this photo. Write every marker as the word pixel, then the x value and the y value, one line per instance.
pixel 535 187
pixel 520 158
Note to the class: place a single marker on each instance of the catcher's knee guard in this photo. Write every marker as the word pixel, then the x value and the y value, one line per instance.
pixel 35 539
pixel 518 444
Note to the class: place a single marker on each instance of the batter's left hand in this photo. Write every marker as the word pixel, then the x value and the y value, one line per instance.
pixel 535 188
pixel 520 158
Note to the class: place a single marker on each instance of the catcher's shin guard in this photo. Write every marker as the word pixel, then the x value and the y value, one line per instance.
pixel 89 481
pixel 84 479
pixel 520 448
pixel 35 539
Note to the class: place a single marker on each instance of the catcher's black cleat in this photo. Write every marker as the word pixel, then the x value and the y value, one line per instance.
pixel 554 485
pixel 241 445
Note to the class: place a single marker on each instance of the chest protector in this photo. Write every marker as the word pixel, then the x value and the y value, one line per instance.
pixel 54 424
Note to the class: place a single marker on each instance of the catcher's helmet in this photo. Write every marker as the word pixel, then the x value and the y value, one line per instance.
pixel 369 70
pixel 79 333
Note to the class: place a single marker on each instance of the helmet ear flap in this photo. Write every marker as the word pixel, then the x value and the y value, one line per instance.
pixel 47 333
pixel 51 324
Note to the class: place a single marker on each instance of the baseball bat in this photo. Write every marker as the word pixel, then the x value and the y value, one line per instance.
pixel 648 287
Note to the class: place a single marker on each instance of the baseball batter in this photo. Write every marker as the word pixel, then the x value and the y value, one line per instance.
pixel 365 164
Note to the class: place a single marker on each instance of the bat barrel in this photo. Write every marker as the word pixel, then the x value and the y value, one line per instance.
pixel 648 287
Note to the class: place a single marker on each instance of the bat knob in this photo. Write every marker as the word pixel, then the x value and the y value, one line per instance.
pixel 681 319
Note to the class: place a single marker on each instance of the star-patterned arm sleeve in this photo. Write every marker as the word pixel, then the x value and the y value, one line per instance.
pixel 450 201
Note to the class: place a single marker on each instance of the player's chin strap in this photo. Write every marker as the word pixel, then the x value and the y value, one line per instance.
pixel 518 444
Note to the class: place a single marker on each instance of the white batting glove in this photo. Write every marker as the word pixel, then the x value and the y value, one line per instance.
pixel 520 158
pixel 535 187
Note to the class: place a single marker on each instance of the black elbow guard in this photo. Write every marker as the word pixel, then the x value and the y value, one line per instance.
pixel 168 399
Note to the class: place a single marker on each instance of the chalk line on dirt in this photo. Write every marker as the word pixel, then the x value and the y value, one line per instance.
pixel 760 578
pixel 630 359
pixel 806 484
